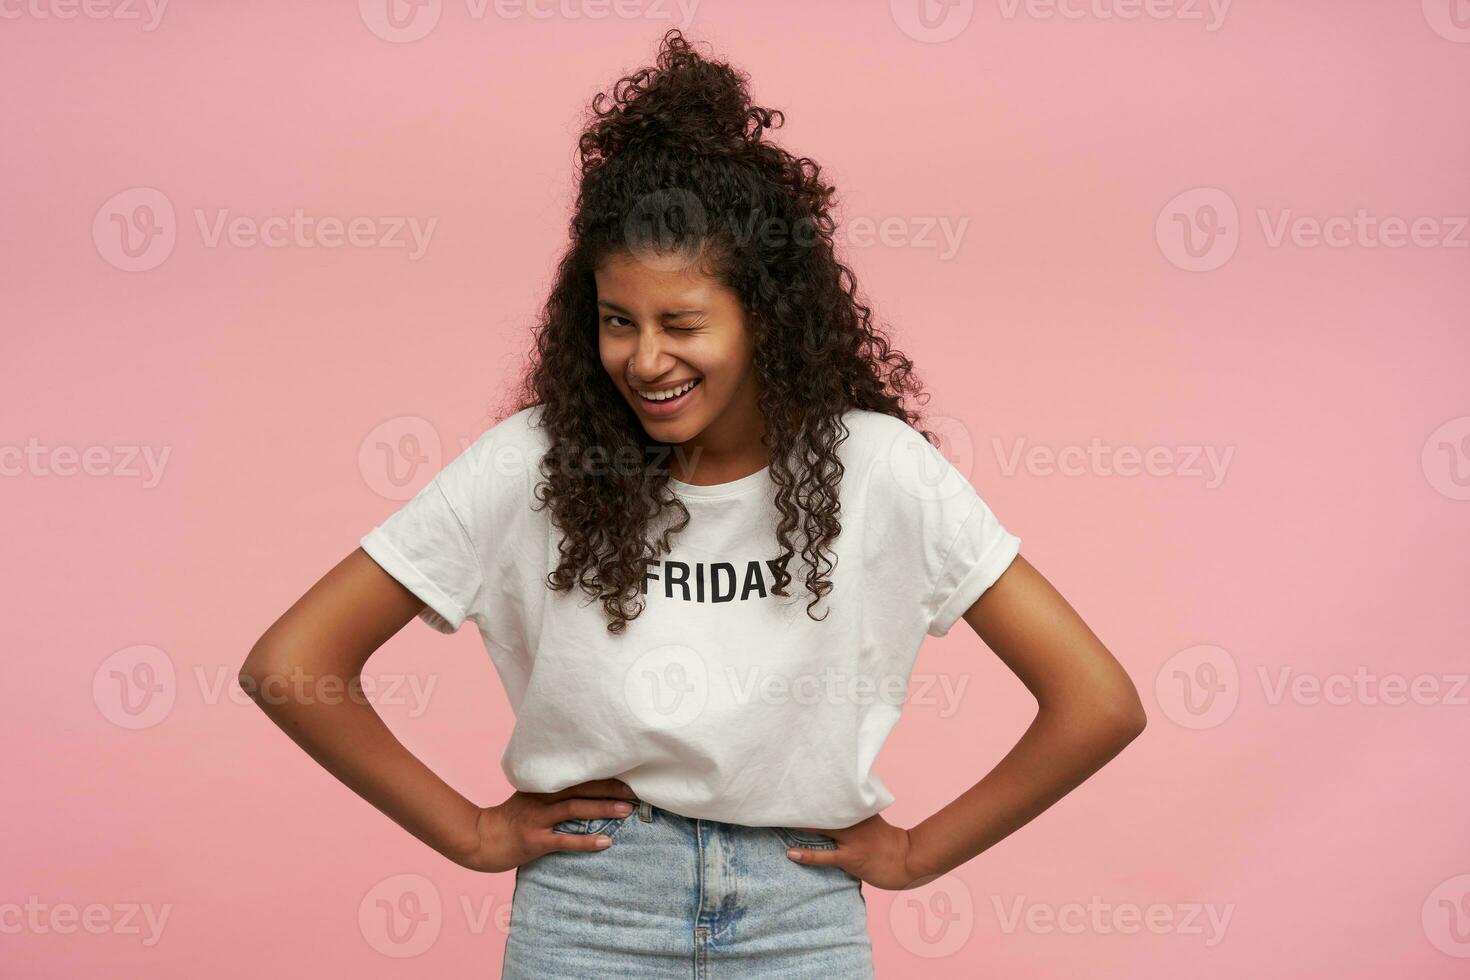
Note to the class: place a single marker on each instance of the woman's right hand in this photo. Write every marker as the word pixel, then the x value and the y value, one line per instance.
pixel 520 829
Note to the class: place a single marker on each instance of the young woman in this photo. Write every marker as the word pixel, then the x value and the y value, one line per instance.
pixel 702 549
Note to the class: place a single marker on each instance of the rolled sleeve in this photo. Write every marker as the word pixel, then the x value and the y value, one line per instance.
pixel 980 554
pixel 426 547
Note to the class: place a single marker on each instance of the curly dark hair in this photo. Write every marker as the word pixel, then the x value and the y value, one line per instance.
pixel 674 160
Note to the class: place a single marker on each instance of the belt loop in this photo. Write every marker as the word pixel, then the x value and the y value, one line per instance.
pixel 645 811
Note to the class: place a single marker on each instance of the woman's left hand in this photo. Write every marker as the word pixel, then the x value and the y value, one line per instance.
pixel 874 850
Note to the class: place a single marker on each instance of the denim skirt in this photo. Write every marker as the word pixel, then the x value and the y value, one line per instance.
pixel 674 896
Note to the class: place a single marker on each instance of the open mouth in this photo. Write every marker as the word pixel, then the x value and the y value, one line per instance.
pixel 668 400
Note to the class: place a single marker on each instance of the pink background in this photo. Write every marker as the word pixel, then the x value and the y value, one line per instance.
pixel 1333 545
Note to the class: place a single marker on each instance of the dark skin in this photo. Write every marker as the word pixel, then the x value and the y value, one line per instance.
pixel 663 321
pixel 330 632
pixel 1088 710
pixel 1085 717
pixel 668 324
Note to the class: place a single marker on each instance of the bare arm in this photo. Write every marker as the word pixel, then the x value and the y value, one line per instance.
pixel 324 639
pixel 1088 710
pixel 318 647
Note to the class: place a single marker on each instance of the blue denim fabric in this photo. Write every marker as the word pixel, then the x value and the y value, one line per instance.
pixel 678 897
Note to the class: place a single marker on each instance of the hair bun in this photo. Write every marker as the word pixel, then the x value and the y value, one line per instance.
pixel 684 102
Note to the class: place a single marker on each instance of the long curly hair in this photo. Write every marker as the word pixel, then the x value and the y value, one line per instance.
pixel 674 161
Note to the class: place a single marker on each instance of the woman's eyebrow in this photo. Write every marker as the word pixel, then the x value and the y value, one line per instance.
pixel 672 313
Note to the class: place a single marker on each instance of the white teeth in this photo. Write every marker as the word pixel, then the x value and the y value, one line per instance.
pixel 664 396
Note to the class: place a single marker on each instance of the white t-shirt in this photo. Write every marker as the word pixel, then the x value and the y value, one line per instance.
pixel 721 700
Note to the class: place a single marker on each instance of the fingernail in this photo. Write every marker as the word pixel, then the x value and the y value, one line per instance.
pixel 603 841
pixel 624 808
pixel 794 854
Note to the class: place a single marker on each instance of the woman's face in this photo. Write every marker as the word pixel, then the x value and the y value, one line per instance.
pixel 665 325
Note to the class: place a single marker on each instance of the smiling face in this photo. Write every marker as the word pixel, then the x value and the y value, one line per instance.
pixel 664 326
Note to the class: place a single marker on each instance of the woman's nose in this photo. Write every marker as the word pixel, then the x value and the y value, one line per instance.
pixel 648 357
